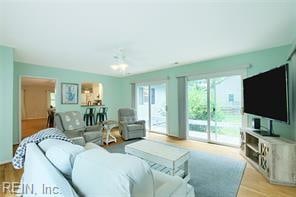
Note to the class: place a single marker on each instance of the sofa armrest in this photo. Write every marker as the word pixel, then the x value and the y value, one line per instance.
pixel 93 128
pixel 140 122
pixel 168 186
pixel 78 140
pixel 46 175
pixel 123 125
pixel 123 122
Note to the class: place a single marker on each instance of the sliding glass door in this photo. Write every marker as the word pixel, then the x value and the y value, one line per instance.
pixel 151 106
pixel 214 109
pixel 198 109
pixel 143 106
pixel 158 115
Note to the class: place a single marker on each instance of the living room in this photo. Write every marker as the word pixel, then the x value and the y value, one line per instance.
pixel 178 69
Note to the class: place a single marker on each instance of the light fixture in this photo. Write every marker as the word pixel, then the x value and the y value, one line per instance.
pixel 120 67
pixel 120 64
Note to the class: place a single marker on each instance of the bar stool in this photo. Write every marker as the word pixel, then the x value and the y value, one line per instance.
pixel 102 114
pixel 89 116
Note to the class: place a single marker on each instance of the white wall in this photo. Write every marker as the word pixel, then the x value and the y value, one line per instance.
pixel 293 70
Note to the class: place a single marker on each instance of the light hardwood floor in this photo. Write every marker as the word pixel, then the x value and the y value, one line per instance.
pixel 31 126
pixel 253 183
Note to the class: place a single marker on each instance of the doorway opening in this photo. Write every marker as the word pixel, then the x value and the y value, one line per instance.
pixel 37 104
pixel 151 105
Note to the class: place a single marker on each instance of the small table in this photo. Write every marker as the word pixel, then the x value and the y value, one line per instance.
pixel 164 158
pixel 108 125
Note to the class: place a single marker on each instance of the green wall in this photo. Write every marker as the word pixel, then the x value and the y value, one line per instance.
pixel 111 88
pixel 260 61
pixel 6 103
pixel 117 91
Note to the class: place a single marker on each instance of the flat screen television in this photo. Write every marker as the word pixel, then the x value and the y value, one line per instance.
pixel 266 94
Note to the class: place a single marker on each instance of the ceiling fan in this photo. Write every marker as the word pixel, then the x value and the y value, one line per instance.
pixel 119 62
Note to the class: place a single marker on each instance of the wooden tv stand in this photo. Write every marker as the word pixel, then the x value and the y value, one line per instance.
pixel 273 157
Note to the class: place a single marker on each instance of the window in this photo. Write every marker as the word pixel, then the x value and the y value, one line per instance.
pixel 52 99
pixel 141 96
pixel 152 95
pixel 230 98
pixel 146 95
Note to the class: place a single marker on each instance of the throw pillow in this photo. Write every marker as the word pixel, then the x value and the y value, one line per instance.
pixel 62 156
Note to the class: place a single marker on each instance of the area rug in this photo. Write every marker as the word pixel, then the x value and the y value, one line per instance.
pixel 211 175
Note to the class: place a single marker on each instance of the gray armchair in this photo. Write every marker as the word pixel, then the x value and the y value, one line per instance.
pixel 72 124
pixel 129 126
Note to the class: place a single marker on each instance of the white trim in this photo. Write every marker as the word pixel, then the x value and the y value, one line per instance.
pixel 5 162
pixel 209 109
pixel 186 108
pixel 19 98
pixel 35 118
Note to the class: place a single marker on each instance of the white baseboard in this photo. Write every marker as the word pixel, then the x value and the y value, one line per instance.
pixel 5 162
pixel 173 135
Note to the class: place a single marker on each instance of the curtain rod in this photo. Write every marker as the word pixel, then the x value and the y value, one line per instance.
pixel 190 74
pixel 151 80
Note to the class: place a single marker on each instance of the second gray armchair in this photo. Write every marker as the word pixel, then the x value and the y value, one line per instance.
pixel 129 125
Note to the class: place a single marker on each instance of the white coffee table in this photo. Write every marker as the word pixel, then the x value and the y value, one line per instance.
pixel 164 158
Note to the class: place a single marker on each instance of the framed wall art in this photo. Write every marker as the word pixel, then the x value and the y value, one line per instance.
pixel 70 93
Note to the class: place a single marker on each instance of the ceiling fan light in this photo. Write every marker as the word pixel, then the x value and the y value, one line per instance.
pixel 123 66
pixel 114 66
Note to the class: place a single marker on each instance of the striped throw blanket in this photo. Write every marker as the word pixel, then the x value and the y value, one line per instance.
pixel 50 133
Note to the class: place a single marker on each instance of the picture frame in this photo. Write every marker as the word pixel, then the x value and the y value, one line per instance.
pixel 70 93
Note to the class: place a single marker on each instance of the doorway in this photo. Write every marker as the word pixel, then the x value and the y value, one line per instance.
pixel 37 104
pixel 151 104
pixel 214 109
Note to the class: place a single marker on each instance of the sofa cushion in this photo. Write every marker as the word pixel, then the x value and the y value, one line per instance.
pixel 134 127
pixel 111 174
pixel 62 156
pixel 48 143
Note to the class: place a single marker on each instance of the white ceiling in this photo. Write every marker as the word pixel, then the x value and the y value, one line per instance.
pixel 84 35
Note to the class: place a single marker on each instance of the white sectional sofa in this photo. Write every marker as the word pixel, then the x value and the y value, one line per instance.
pixel 93 172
